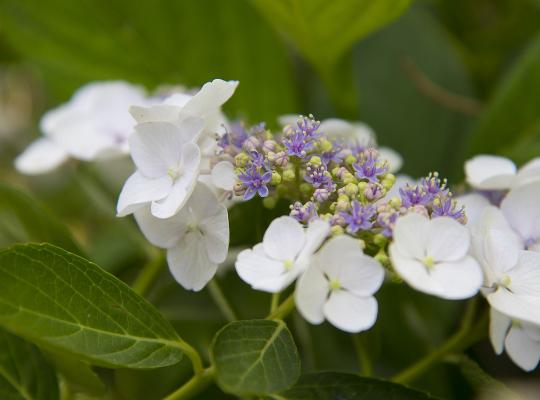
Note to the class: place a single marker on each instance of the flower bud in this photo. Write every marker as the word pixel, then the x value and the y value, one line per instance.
pixel 315 161
pixel 276 178
pixel 351 190
pixel 288 175
pixel 350 159
pixel 269 202
pixel 241 159
pixel 337 230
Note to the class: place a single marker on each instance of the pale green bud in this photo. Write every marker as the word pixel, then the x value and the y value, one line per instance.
pixel 241 159
pixel 288 175
pixel 337 230
pixel 276 178
pixel 269 202
pixel 351 189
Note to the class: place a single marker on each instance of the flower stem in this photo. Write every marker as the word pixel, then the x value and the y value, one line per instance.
pixel 275 302
pixel 194 386
pixel 457 342
pixel 193 356
pixel 148 274
pixel 221 301
pixel 364 360
pixel 283 309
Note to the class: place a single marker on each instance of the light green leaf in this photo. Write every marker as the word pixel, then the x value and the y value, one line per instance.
pixel 24 373
pixel 26 220
pixel 324 30
pixel 513 110
pixel 166 42
pixel 335 385
pixel 64 302
pixel 255 357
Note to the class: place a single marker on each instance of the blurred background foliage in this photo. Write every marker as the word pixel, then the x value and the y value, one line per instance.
pixel 437 80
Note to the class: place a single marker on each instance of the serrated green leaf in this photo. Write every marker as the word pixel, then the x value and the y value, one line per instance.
pixel 64 302
pixel 155 42
pixel 256 357
pixel 336 385
pixel 24 373
pixel 513 110
pixel 31 221
pixel 324 30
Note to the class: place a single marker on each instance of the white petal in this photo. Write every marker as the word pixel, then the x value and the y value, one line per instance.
pixel 447 240
pixel 525 277
pixel 459 280
pixel 521 349
pixel 410 235
pixel 156 113
pixel 413 271
pixel 393 157
pixel 530 172
pixel 139 190
pixel 316 232
pixel 284 239
pixel 490 172
pixel 182 186
pixel 310 295
pixel 521 208
pixel 524 308
pixel 474 206
pixel 500 251
pixel 223 175
pixel 39 157
pixel 211 97
pixel 261 271
pixel 350 313
pixel 189 262
pixel 498 328
pixel 164 233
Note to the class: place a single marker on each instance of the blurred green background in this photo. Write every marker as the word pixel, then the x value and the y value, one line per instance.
pixel 437 80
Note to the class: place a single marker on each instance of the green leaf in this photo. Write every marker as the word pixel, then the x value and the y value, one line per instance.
pixel 26 220
pixel 154 43
pixel 513 110
pixel 24 373
pixel 255 357
pixel 335 385
pixel 79 374
pixel 64 302
pixel 324 30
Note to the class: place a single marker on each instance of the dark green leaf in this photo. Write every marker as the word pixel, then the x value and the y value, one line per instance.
pixel 24 373
pixel 513 111
pixel 64 302
pixel 155 42
pixel 335 385
pixel 255 357
pixel 324 30
pixel 26 220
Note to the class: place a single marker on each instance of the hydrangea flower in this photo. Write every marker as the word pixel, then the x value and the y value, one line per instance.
pixel 512 275
pixel 283 255
pixel 196 239
pixel 93 124
pixel 520 340
pixel 254 182
pixel 487 172
pixel 339 285
pixel 167 161
pixel 432 256
pixel 360 217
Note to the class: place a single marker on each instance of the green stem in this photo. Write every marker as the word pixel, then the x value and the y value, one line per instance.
pixel 457 342
pixel 283 309
pixel 275 302
pixel 148 274
pixel 193 356
pixel 221 301
pixel 194 386
pixel 364 360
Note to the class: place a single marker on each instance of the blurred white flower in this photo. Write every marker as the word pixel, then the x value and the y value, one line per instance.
pixel 93 124
pixel 283 255
pixel 431 256
pixel 339 285
pixel 196 239
pixel 520 340
pixel 512 275
pixel 168 163
pixel 488 172
pixel 474 204
pixel 354 132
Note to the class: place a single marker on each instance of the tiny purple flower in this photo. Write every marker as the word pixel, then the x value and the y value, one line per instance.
pixel 297 144
pixel 255 183
pixel 387 221
pixel 303 212
pixel 360 217
pixel 308 126
pixel 317 176
pixel 368 168
pixel 414 195
pixel 446 207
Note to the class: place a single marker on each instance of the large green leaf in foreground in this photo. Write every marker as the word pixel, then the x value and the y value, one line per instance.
pixel 24 374
pixel 255 357
pixel 62 301
pixel 335 385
